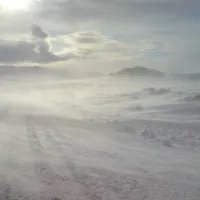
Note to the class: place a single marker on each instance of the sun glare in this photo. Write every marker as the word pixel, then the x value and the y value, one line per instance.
pixel 14 4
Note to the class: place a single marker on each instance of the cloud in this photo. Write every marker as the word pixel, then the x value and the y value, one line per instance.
pixel 118 11
pixel 82 38
pixel 106 31
pixel 23 51
pixel 16 51
pixel 90 44
pixel 88 37
pixel 151 46
pixel 34 49
pixel 38 32
pixel 30 51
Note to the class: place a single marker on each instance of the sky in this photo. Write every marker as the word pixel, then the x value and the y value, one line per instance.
pixel 101 35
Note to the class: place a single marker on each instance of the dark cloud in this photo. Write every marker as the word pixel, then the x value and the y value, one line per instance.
pixel 23 51
pixel 38 32
pixel 16 51
pixel 119 10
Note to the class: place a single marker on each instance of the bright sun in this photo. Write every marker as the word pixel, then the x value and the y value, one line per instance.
pixel 14 4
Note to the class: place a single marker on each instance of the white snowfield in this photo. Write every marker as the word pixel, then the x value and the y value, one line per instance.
pixel 72 140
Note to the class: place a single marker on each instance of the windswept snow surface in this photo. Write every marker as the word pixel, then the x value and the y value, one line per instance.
pixel 102 138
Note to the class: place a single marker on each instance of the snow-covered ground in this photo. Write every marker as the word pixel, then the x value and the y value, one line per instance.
pixel 98 139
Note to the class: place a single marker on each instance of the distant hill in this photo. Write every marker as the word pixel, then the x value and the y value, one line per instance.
pixel 138 71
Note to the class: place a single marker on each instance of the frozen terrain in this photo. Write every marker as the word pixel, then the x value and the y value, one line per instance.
pixel 108 138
